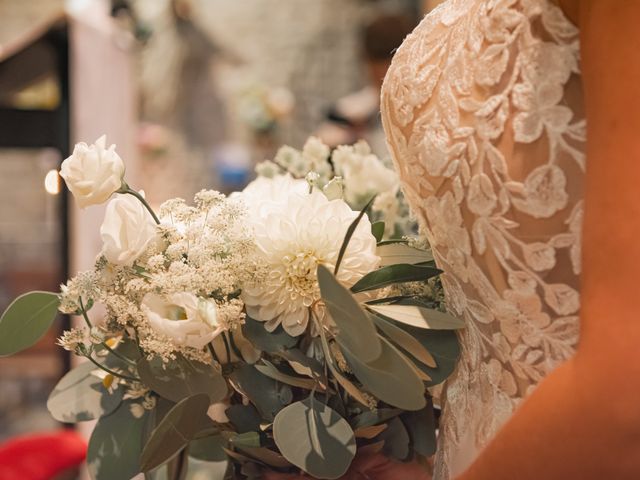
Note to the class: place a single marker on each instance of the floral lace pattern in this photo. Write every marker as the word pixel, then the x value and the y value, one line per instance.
pixel 483 112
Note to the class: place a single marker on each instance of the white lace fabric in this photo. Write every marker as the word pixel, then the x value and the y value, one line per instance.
pixel 483 112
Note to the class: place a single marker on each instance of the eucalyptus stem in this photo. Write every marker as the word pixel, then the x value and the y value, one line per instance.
pixel 214 355
pixel 125 189
pixel 226 347
pixel 112 372
pixel 234 347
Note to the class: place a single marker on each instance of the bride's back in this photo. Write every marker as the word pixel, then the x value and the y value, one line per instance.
pixel 483 110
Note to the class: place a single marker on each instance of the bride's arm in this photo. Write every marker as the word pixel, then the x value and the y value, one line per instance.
pixel 583 421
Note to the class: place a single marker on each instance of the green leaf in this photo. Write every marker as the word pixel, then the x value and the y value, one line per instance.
pixel 80 396
pixel 270 342
pixel 271 371
pixel 419 317
pixel 396 440
pixel 244 417
pixel 175 431
pixel 405 341
pixel 315 438
pixel 266 456
pixel 26 320
pixel 356 330
pixel 368 418
pixel 268 395
pixel 116 442
pixel 350 231
pixel 182 378
pixel 247 439
pixel 305 365
pixel 208 449
pixel 421 426
pixel 390 377
pixel 377 229
pixel 392 274
pixel 443 345
pixel 401 253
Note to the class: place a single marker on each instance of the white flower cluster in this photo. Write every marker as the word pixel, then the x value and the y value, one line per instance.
pixel 351 172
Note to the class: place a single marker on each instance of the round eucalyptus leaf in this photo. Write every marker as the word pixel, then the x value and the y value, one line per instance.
pixel 116 442
pixel 396 440
pixel 182 378
pixel 174 432
pixel 267 394
pixel 80 396
pixel 315 438
pixel 26 320
pixel 390 377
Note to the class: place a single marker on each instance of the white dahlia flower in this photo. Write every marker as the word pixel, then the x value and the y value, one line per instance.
pixel 294 232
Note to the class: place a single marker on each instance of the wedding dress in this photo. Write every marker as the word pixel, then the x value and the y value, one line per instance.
pixel 483 112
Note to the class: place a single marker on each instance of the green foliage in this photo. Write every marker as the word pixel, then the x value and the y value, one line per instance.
pixel 390 377
pixel 80 396
pixel 268 395
pixel 356 330
pixel 418 316
pixel 182 378
pixel 270 342
pixel 116 443
pixel 315 438
pixel 26 320
pixel 174 432
pixel 377 229
pixel 392 274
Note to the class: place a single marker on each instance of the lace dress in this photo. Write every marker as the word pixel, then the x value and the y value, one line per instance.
pixel 483 112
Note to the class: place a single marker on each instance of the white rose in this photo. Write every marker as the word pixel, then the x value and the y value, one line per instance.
pixel 187 320
pixel 93 172
pixel 364 174
pixel 126 230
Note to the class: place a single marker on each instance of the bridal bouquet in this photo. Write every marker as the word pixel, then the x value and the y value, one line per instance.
pixel 271 329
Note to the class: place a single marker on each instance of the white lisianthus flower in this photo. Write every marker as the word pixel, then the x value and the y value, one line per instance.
pixel 93 172
pixel 187 320
pixel 126 231
pixel 294 233
pixel 364 173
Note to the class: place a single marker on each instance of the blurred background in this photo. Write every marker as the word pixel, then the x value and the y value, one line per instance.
pixel 193 92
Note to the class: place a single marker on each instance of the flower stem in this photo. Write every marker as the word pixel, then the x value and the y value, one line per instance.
pixel 104 344
pixel 226 347
pixel 125 189
pixel 112 372
pixel 212 350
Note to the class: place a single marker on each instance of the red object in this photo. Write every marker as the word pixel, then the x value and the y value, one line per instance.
pixel 41 456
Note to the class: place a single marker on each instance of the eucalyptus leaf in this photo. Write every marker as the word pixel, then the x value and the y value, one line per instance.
pixel 208 449
pixel 377 229
pixel 271 371
pixel 305 365
pixel 182 378
pixel 443 345
pixel 266 456
pixel 247 439
pixel 244 417
pixel 417 316
pixel 421 426
pixel 175 431
pixel 116 443
pixel 390 378
pixel 80 396
pixel 26 320
pixel 356 330
pixel 396 440
pixel 375 417
pixel 401 253
pixel 405 341
pixel 270 342
pixel 315 438
pixel 268 395
pixel 393 274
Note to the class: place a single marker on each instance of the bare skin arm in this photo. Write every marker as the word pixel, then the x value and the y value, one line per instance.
pixel 583 422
